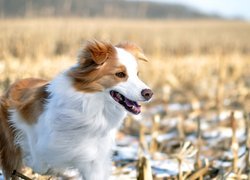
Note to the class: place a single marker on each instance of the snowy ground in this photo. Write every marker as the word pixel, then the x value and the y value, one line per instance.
pixel 178 135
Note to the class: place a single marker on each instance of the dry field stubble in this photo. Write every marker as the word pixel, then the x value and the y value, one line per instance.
pixel 204 62
pixel 185 55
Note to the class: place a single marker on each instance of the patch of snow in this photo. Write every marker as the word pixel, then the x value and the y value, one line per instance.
pixel 168 136
pixel 179 107
pixel 125 153
pixel 169 167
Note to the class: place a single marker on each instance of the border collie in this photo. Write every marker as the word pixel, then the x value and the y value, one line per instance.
pixel 70 121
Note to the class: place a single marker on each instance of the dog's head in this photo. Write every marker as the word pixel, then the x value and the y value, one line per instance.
pixel 113 70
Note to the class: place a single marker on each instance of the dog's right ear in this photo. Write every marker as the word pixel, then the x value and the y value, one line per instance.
pixel 96 52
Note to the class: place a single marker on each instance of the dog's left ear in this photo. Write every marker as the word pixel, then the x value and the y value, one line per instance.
pixel 99 51
pixel 134 50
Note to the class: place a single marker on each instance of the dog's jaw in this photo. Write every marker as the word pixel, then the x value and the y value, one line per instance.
pixel 131 106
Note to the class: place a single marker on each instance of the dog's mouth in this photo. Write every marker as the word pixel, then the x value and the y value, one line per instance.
pixel 128 104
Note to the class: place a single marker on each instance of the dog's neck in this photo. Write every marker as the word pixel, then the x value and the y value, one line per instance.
pixel 98 108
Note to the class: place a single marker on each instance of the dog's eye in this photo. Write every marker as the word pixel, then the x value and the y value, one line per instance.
pixel 120 74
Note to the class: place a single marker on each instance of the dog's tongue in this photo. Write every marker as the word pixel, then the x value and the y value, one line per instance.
pixel 131 103
pixel 131 106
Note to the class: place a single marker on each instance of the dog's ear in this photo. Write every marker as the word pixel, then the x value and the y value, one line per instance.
pixel 91 58
pixel 133 49
pixel 97 51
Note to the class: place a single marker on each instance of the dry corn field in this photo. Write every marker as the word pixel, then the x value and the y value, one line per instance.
pixel 197 125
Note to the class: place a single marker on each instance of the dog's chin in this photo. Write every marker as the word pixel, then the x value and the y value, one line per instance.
pixel 131 106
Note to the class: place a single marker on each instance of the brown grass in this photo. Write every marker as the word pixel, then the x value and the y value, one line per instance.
pixel 183 54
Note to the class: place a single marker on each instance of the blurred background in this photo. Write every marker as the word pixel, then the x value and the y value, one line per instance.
pixel 199 69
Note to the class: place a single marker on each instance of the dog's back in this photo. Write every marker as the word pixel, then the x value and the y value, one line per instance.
pixel 10 154
pixel 15 98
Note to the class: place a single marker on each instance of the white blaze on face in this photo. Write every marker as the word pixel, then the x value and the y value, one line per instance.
pixel 133 87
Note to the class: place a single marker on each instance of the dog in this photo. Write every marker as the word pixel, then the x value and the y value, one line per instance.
pixel 70 121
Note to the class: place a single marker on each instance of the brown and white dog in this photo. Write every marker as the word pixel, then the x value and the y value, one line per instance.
pixel 69 122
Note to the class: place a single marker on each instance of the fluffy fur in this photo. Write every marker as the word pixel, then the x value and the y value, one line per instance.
pixel 69 122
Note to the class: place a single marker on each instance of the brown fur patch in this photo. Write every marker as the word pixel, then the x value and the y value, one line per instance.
pixel 134 50
pixel 27 97
pixel 97 67
pixel 96 52
pixel 10 154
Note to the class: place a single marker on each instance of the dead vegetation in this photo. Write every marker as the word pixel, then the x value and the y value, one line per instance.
pixel 197 126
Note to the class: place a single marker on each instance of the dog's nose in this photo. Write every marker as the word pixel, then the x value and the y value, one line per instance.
pixel 147 93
